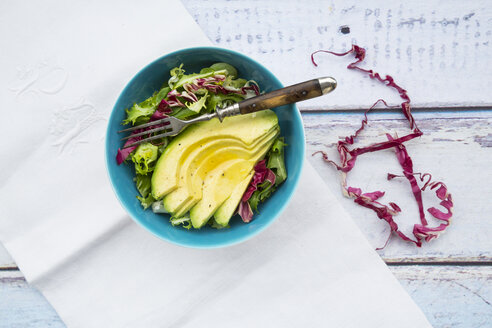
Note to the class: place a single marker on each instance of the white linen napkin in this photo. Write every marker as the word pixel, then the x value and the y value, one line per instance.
pixel 63 65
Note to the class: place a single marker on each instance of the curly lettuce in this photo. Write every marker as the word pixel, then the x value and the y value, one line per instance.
pixel 228 68
pixel 276 161
pixel 198 105
pixel 221 100
pixel 142 182
pixel 183 79
pixel 141 113
pixel 144 157
pixel 183 221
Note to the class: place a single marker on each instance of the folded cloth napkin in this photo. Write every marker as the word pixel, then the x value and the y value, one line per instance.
pixel 63 65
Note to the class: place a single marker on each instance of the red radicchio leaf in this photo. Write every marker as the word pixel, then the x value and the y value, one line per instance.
pixel 161 111
pixel 270 176
pixel 258 177
pixel 211 84
pixel 122 154
pixel 172 99
pixel 262 173
pixel 225 90
pixel 369 200
pixel 190 96
pixel 163 106
pixel 245 211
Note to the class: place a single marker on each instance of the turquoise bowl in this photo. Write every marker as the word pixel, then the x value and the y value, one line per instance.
pixel 149 79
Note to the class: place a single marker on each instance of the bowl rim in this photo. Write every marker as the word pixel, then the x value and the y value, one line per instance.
pixel 236 240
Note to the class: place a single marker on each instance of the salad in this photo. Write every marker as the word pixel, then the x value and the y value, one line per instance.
pixel 211 170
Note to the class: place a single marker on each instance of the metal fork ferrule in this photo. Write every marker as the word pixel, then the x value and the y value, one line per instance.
pixel 228 111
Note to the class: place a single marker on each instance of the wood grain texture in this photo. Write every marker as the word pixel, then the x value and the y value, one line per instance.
pixel 288 95
pixel 454 149
pixel 5 260
pixel 458 297
pixel 22 306
pixel 438 52
pixel 455 297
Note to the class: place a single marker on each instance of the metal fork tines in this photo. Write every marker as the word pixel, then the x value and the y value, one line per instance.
pixel 172 126
pixel 146 125
pixel 167 130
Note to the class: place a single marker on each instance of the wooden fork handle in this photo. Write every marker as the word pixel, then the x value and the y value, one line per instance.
pixel 288 95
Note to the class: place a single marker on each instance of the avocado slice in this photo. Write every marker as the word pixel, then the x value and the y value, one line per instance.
pixel 244 128
pixel 217 188
pixel 191 187
pixel 193 171
pixel 219 185
pixel 225 212
pixel 195 185
pixel 193 168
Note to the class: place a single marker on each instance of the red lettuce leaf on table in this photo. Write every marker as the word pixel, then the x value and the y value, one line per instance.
pixel 369 200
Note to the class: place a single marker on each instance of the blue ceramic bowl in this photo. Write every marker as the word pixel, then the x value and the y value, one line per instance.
pixel 149 79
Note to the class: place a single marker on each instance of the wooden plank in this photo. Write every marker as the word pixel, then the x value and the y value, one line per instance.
pixel 5 260
pixel 456 148
pixel 428 47
pixel 22 305
pixel 458 297
pixel 449 296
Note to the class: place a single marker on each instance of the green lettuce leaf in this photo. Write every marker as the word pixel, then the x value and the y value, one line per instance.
pixel 184 114
pixel 276 161
pixel 144 156
pixel 191 77
pixel 236 84
pixel 146 201
pixel 222 101
pixel 215 225
pixel 143 185
pixel 254 200
pixel 207 70
pixel 176 74
pixel 264 191
pixel 136 112
pixel 161 94
pixel 140 113
pixel 198 105
pixel 184 221
pixel 228 68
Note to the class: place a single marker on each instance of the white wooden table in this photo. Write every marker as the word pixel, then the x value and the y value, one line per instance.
pixel 444 46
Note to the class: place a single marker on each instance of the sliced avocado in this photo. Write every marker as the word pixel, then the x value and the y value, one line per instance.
pixel 174 201
pixel 199 157
pixel 192 172
pixel 195 185
pixel 244 128
pixel 216 189
pixel 225 212
pixel 219 185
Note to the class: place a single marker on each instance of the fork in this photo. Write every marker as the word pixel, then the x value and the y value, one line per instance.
pixel 288 95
